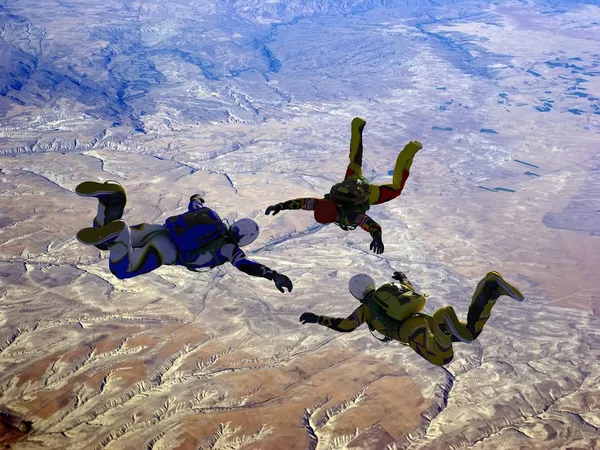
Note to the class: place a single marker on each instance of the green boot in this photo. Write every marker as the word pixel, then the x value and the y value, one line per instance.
pixel 503 287
pixel 94 189
pixel 100 235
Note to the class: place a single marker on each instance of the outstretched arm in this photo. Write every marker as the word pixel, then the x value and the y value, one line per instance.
pixel 373 228
pixel 368 224
pixel 255 269
pixel 350 323
pixel 307 203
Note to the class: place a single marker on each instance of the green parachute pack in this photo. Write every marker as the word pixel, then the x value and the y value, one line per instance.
pixel 352 194
pixel 391 305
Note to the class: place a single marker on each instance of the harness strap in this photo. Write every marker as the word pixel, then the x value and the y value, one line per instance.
pixel 379 314
pixel 226 238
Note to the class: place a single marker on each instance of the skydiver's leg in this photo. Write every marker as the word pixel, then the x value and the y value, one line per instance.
pixel 143 232
pixel 484 298
pixel 426 339
pixel 110 208
pixel 481 306
pixel 125 261
pixel 111 202
pixel 155 248
pixel 356 149
pixel 387 192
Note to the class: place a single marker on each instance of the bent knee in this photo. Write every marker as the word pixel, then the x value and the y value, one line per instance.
pixel 447 360
pixel 440 362
pixel 121 274
pixel 120 269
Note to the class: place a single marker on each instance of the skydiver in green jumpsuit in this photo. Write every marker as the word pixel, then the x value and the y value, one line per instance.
pixel 394 311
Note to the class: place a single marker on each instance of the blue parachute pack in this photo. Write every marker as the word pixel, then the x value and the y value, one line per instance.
pixel 196 232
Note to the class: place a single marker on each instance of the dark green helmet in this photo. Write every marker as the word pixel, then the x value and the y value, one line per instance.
pixel 351 192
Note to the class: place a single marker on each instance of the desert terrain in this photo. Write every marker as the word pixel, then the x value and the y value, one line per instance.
pixel 249 104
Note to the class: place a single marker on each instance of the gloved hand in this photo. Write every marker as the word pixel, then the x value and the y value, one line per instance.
pixel 282 281
pixel 308 317
pixel 275 209
pixel 400 276
pixel 377 245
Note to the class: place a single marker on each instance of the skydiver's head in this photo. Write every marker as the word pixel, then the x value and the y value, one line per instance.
pixel 326 211
pixel 351 192
pixel 360 285
pixel 245 231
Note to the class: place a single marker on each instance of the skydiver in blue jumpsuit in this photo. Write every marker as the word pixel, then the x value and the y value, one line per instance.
pixel 196 239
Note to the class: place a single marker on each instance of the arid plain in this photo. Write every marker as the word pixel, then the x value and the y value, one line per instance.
pixel 248 104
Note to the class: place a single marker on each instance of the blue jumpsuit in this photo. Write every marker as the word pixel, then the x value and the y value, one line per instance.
pixel 140 249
